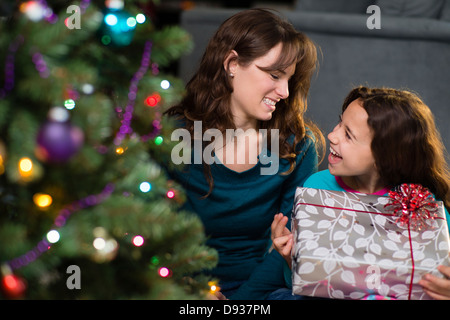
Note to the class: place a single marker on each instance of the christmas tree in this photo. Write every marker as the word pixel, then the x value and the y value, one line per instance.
pixel 86 209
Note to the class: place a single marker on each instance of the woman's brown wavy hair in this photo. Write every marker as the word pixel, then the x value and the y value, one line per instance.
pixel 406 144
pixel 252 33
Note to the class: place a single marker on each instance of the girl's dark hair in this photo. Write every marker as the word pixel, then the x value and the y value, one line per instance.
pixel 252 33
pixel 406 144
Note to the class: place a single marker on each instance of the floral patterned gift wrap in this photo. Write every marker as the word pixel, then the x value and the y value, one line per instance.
pixel 351 245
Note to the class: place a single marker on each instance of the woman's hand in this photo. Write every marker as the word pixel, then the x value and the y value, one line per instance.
pixel 282 238
pixel 435 287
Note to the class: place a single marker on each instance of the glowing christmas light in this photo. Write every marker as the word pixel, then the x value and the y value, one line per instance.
pixel 131 22
pixel 170 194
pixel 10 281
pixel 53 236
pixel 42 200
pixel 159 140
pixel 87 88
pixel 140 18
pixel 164 272
pixel 34 10
pixel 153 100
pixel 13 286
pixel 69 104
pixel 59 114
pixel 111 19
pixel 25 167
pixel 138 241
pixel 99 243
pixel 145 187
pixel 119 150
pixel 213 288
pixel 165 84
pixel 114 4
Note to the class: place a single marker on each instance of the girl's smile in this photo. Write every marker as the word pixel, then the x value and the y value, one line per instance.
pixel 334 157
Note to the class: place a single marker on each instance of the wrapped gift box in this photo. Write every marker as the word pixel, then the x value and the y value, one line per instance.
pixel 350 245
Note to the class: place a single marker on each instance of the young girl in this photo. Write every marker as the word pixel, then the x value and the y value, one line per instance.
pixel 254 75
pixel 384 138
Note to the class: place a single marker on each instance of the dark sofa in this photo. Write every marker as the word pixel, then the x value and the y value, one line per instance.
pixel 411 50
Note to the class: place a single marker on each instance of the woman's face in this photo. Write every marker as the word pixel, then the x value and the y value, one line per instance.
pixel 350 144
pixel 256 92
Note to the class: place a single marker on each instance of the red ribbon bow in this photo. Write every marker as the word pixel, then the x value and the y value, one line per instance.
pixel 413 205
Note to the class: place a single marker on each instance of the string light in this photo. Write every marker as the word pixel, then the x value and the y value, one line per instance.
pixel 164 272
pixel 111 19
pixel 170 194
pixel 131 22
pixel 10 282
pixel 99 243
pixel 42 200
pixel 119 150
pixel 34 10
pixel 106 249
pixel 25 167
pixel 213 287
pixel 69 104
pixel 13 286
pixel 87 88
pixel 58 114
pixel 53 236
pixel 165 84
pixel 153 100
pixel 145 187
pixel 114 4
pixel 138 241
pixel 159 140
pixel 140 18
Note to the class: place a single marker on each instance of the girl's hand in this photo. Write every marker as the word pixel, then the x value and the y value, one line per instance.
pixel 282 238
pixel 435 287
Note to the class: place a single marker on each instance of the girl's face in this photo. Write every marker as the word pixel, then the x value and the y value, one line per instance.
pixel 350 151
pixel 256 92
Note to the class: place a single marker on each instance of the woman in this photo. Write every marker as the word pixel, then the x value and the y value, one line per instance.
pixel 250 91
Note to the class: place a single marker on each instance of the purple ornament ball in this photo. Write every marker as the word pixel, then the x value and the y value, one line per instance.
pixel 57 141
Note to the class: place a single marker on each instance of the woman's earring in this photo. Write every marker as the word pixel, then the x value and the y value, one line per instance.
pixel 231 75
